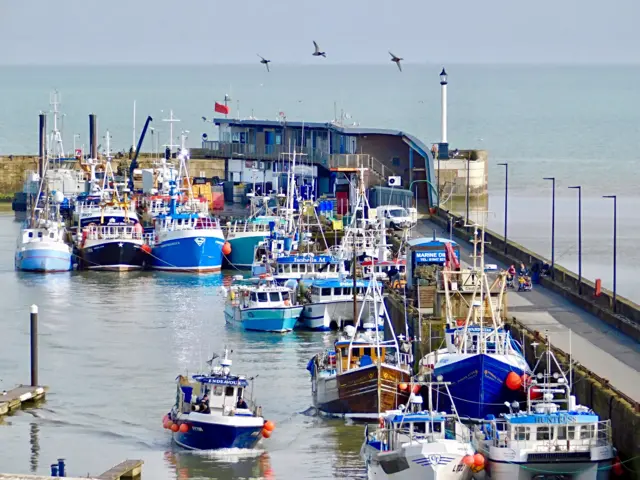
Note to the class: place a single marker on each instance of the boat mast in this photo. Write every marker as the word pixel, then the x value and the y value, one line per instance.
pixel 56 135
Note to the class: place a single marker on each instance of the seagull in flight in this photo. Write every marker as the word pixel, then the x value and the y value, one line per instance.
pixel 264 61
pixel 317 52
pixel 397 60
pixel 204 119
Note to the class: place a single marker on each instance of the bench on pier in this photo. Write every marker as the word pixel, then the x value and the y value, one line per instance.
pixel 128 469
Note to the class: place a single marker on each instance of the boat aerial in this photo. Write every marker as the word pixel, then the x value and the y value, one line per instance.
pixel 552 437
pixel 413 443
pixel 111 236
pixel 481 360
pixel 359 376
pixel 264 306
pixel 212 411
pixel 186 238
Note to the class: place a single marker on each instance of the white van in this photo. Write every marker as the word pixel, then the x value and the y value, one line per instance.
pixel 395 217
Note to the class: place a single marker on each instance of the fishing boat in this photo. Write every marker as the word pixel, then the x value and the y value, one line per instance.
pixel 186 239
pixel 245 235
pixel 359 376
pixel 307 266
pixel 42 244
pixel 413 443
pixel 212 411
pixel 481 360
pixel 264 306
pixel 329 303
pixel 552 438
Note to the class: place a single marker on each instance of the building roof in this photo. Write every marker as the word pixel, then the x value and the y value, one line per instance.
pixel 430 242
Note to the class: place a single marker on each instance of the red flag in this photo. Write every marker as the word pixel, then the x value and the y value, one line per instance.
pixel 220 108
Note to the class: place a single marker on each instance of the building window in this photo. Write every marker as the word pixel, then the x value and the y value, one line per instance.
pixel 395 161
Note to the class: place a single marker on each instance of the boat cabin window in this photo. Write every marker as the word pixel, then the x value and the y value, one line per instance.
pixel 337 291
pixel 274 296
pixel 586 432
pixel 566 433
pixel 239 392
pixel 543 433
pixel 228 392
pixel 254 297
pixel 52 235
pixel 326 292
pixel 285 296
pixel 30 234
pixel 419 427
pixel 262 296
pixel 366 351
pixel 346 290
pixel 217 390
pixel 315 291
pixel 522 433
pixel 39 234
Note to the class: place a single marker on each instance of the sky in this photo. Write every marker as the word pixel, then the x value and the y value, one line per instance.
pixel 37 32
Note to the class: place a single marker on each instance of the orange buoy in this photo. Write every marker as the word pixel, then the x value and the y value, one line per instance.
pixel 169 424
pixel 174 427
pixel 468 460
pixel 226 248
pixel 403 387
pixel 478 460
pixel 416 389
pixel 146 248
pixel 617 468
pixel 269 425
pixel 184 428
pixel 266 433
pixel 513 381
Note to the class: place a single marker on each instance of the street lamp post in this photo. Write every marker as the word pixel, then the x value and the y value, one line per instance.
pixel 615 241
pixel 553 224
pixel 506 197
pixel 579 188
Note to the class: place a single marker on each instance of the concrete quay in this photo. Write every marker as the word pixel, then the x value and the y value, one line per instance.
pixel 598 346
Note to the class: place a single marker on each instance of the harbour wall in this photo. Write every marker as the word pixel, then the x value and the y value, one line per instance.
pixel 590 389
pixel 13 168
pixel 627 316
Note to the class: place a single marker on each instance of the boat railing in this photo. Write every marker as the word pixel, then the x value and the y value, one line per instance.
pixel 113 232
pixel 585 436
pixel 202 223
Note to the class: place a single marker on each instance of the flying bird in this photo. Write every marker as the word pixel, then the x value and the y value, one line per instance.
pixel 204 119
pixel 264 61
pixel 318 53
pixel 397 60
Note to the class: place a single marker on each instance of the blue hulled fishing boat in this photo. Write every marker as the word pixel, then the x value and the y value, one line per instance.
pixel 212 411
pixel 482 362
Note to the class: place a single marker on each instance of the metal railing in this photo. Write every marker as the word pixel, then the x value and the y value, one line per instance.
pixel 315 155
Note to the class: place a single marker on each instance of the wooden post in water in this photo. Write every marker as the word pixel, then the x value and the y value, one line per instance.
pixel 34 345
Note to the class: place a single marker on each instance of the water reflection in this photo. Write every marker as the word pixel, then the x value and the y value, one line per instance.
pixel 34 430
pixel 227 464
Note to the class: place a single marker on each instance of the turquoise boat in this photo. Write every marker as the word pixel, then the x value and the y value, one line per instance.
pixel 264 307
pixel 244 236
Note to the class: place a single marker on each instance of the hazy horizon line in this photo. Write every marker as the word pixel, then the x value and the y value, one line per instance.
pixel 327 63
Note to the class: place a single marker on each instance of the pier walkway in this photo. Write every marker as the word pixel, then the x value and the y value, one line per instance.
pixel 594 344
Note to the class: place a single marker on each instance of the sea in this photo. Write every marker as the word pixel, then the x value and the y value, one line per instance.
pixel 112 344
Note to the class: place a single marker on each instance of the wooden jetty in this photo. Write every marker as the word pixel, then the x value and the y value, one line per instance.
pixel 18 397
pixel 127 470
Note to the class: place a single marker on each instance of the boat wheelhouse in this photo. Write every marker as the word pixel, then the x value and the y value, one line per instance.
pixel 263 307
pixel 212 411
pixel 380 269
pixel 414 443
pixel 330 304
pixel 303 266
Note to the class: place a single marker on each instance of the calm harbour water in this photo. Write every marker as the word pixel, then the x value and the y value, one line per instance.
pixel 579 124
pixel 111 346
